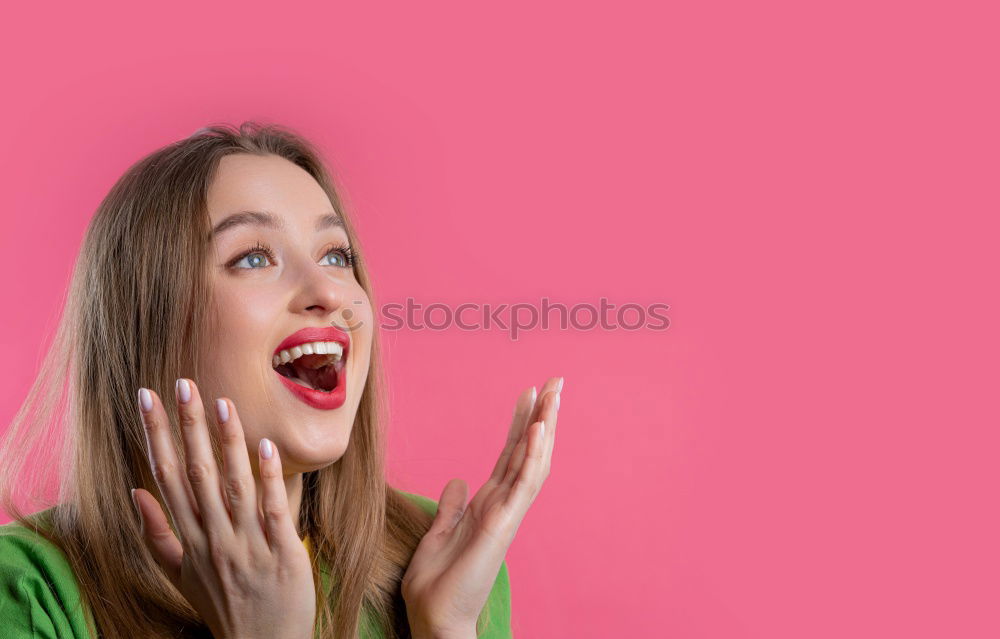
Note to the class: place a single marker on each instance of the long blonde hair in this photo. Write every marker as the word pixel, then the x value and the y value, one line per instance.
pixel 134 316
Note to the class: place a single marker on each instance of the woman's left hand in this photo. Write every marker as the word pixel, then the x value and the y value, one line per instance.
pixel 456 563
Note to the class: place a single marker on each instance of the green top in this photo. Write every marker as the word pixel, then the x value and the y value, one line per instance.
pixel 40 598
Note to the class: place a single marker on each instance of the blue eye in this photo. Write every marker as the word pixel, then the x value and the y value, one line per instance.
pixel 254 259
pixel 260 256
pixel 253 254
pixel 343 256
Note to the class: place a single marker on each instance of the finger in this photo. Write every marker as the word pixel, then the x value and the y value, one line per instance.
pixel 282 532
pixel 202 471
pixel 240 488
pixel 517 428
pixel 550 431
pixel 552 384
pixel 157 535
pixel 548 412
pixel 529 480
pixel 522 409
pixel 451 506
pixel 165 466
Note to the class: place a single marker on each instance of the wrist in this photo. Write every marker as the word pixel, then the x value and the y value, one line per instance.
pixel 423 626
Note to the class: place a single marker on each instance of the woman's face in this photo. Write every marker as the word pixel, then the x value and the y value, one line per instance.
pixel 270 280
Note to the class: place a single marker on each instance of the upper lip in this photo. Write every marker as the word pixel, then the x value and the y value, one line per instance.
pixel 316 334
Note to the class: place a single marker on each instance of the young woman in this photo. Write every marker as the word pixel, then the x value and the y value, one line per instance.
pixel 219 354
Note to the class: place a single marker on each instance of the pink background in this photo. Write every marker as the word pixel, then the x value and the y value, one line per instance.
pixel 810 450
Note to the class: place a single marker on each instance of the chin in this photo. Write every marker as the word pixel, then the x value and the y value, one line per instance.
pixel 298 460
pixel 315 442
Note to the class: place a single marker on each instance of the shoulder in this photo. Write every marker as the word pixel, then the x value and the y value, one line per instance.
pixel 25 552
pixel 497 610
pixel 39 595
pixel 427 504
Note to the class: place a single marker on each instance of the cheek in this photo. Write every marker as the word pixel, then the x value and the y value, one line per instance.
pixel 245 309
pixel 233 318
pixel 355 311
pixel 363 317
pixel 240 321
pixel 359 315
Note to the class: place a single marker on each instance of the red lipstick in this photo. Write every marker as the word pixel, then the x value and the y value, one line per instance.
pixel 323 400
pixel 315 334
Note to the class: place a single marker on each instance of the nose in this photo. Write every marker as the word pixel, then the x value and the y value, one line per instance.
pixel 318 292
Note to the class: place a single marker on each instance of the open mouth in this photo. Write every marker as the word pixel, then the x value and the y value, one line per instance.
pixel 314 365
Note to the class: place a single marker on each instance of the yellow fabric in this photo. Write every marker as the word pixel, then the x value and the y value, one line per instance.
pixel 308 544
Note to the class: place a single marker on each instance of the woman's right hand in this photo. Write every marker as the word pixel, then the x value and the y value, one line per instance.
pixel 247 573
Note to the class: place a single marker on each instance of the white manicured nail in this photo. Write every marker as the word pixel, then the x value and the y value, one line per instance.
pixel 184 390
pixel 266 449
pixel 145 400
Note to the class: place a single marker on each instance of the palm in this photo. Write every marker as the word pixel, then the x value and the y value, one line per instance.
pixel 456 563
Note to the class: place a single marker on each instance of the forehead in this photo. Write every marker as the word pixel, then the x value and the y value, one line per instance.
pixel 269 183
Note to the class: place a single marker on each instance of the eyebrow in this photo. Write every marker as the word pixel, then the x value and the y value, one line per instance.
pixel 269 220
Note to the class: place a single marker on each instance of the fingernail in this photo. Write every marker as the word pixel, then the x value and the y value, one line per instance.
pixel 134 502
pixel 543 429
pixel 145 400
pixel 534 394
pixel 184 390
pixel 561 380
pixel 266 449
pixel 557 400
pixel 222 408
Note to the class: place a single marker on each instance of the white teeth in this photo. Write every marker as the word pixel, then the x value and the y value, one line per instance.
pixel 310 348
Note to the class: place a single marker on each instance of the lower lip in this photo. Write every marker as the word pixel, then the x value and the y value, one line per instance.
pixel 319 399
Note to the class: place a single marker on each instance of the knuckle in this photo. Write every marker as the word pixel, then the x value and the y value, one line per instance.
pixel 161 536
pixel 162 472
pixel 269 473
pixel 274 513
pixel 527 486
pixel 218 552
pixel 237 487
pixel 228 434
pixel 149 423
pixel 190 544
pixel 187 418
pixel 198 472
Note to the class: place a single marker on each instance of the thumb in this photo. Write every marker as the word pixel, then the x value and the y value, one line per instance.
pixel 158 536
pixel 451 506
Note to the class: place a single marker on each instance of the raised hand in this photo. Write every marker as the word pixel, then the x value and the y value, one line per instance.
pixel 247 573
pixel 456 563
